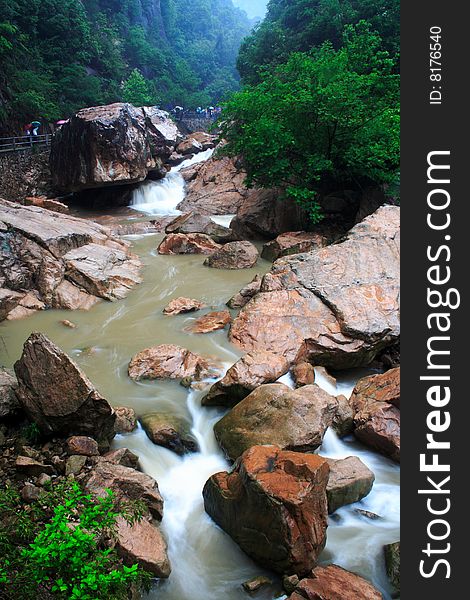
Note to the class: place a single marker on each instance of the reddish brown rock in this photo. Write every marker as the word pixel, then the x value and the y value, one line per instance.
pixel 343 422
pixel 303 374
pixel 334 583
pixel 47 203
pixel 350 480
pixel 293 242
pixel 248 373
pixel 29 466
pixel 336 306
pixel 57 396
pixel 193 222
pixel 274 506
pixel 379 388
pixel 207 140
pixel 275 414
pixel 211 322
pixel 242 298
pixel 189 146
pixel 126 420
pixel 169 431
pixel 144 544
pixel 82 445
pixel 126 483
pixel 123 457
pixel 191 243
pixel 183 305
pixel 169 362
pixel 234 255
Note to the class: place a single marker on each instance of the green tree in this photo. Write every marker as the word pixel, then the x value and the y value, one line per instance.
pixel 137 90
pixel 323 121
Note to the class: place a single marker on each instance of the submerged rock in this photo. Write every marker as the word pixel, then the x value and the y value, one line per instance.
pixel 170 432
pixel 183 305
pixel 168 361
pixel 274 506
pixel 191 243
pixel 111 145
pixel 275 414
pixel 234 255
pixel 350 480
pixel 336 306
pixel 248 373
pixel 58 396
pixel 334 583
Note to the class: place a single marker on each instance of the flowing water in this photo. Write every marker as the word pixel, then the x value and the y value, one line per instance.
pixel 207 564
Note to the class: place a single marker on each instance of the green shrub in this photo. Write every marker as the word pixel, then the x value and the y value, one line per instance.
pixel 56 547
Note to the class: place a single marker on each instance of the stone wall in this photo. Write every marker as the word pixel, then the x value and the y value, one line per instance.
pixel 25 173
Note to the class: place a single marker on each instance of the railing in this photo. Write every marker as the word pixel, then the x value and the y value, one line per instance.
pixel 24 142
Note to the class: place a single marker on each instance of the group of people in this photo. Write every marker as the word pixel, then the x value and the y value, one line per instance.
pixel 203 113
pixel 32 128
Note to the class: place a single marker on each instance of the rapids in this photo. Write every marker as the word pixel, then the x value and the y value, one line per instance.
pixel 206 563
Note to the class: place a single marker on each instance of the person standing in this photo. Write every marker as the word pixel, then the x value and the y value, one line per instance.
pixel 35 127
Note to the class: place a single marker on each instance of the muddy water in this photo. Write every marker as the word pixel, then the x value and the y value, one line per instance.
pixel 207 565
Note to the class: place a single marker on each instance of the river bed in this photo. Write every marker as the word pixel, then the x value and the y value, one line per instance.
pixel 206 563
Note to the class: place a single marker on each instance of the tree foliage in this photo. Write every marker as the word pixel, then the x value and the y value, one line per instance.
pixel 323 120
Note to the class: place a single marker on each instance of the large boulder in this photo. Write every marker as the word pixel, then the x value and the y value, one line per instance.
pixel 392 563
pixel 267 214
pixel 275 414
pixel 334 583
pixel 193 222
pixel 292 242
pixel 57 396
pixel 111 145
pixel 168 361
pixel 350 480
pixel 376 417
pixel 234 255
pixel 187 243
pixel 169 431
pixel 273 504
pixel 9 404
pixel 248 373
pixel 49 259
pixel 336 306
pixel 215 187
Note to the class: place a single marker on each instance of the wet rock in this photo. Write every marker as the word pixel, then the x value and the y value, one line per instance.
pixel 290 582
pixel 234 255
pixel 275 414
pixel 191 243
pixel 74 464
pixel 168 361
pixel 169 431
pixel 253 585
pixel 47 203
pixel 242 298
pixel 111 145
pixel 69 324
pixel 82 445
pixel 350 481
pixel 31 467
pixel 293 242
pixel 127 484
pixel 248 373
pixel 334 583
pixel 215 187
pixel 30 493
pixel 144 544
pixel 368 514
pixel 189 146
pixel 323 373
pixel 57 395
pixel 183 305
pixel 303 374
pixel 336 306
pixel 193 222
pixel 206 140
pixel 123 457
pixel 266 214
pixel 126 420
pixel 55 260
pixel 343 422
pixel 376 418
pixel 392 563
pixel 274 506
pixel 211 322
pixel 9 404
pixel 379 388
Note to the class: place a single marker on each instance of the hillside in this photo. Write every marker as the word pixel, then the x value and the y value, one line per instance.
pixel 255 9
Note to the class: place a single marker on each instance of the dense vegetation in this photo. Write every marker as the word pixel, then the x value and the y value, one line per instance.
pixel 56 546
pixel 58 56
pixel 319 111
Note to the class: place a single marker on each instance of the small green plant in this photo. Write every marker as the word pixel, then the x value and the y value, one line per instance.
pixel 56 547
pixel 32 433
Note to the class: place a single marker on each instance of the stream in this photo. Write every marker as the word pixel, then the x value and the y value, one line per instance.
pixel 206 563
